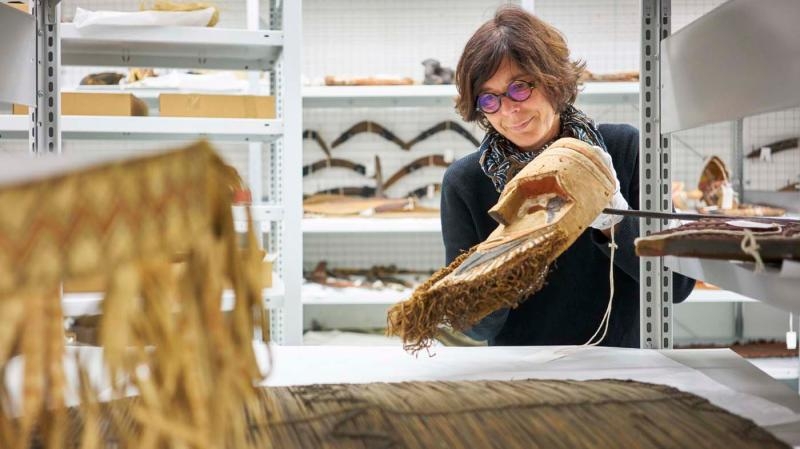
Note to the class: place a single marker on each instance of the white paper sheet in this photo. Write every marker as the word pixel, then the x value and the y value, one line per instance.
pixel 85 19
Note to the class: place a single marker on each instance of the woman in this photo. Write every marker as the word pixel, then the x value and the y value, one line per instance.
pixel 516 80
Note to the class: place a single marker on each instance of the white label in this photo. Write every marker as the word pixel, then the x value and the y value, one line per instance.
pixel 449 155
pixel 791 340
pixel 752 224
pixel 727 197
pixel 765 154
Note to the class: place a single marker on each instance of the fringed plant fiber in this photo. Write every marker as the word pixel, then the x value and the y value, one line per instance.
pixel 163 332
pixel 461 305
pixel 541 211
pixel 522 414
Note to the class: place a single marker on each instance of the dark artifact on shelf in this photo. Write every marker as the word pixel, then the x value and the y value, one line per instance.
pixel 436 74
pixel 434 160
pixel 541 211
pixel 363 191
pixel 331 80
pixel 623 76
pixel 427 191
pixel 339 205
pixel 443 126
pixel 313 135
pixel 553 414
pixel 727 240
pixel 367 127
pixel 791 187
pixel 333 162
pixel 775 147
pixel 102 79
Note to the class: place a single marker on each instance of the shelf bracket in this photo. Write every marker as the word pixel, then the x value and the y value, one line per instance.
pixel 654 172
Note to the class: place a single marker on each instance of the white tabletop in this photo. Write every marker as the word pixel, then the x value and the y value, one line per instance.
pixel 718 375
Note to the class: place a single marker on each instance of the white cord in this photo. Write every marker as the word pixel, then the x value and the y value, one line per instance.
pixel 607 316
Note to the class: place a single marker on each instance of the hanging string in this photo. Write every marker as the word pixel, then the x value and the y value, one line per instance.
pixel 750 247
pixel 607 316
pixel 612 245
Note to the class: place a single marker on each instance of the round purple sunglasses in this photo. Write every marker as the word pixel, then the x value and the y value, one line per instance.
pixel 516 90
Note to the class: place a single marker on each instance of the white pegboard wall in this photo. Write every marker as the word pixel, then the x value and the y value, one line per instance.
pixel 782 168
pixel 386 37
pixel 604 34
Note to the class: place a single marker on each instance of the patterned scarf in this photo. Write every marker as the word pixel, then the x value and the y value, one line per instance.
pixel 501 159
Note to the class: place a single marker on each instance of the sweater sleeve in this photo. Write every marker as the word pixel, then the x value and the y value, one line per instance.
pixel 460 233
pixel 626 164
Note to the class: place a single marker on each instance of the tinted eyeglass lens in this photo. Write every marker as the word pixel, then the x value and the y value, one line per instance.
pixel 488 103
pixel 519 91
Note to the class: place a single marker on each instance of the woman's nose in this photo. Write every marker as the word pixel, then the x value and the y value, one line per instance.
pixel 509 107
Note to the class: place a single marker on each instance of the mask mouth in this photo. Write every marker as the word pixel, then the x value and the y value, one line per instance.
pixel 534 203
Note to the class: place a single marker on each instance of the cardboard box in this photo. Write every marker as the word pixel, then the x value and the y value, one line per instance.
pixel 216 106
pixel 22 6
pixel 19 109
pixel 95 103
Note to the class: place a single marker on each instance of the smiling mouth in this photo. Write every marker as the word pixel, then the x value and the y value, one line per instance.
pixel 521 125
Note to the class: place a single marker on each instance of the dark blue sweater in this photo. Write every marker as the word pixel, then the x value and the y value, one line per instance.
pixel 569 308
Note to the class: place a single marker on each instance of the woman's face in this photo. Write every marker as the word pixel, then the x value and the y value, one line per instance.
pixel 529 124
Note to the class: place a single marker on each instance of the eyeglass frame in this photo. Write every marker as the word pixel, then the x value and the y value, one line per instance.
pixel 499 97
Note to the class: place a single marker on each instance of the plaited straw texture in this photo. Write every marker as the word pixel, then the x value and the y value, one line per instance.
pixel 513 261
pixel 162 332
pixel 529 414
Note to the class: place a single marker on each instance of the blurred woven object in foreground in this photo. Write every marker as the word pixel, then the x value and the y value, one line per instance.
pixel 163 332
pixel 548 414
pixel 542 210
pixel 726 240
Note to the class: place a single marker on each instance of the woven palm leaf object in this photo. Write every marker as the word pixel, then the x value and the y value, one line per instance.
pixel 541 212
pixel 718 239
pixel 163 333
pixel 715 184
pixel 529 414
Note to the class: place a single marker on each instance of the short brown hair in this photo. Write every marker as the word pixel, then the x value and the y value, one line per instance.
pixel 535 46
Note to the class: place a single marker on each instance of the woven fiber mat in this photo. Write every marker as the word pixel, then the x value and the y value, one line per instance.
pixel 717 239
pixel 526 414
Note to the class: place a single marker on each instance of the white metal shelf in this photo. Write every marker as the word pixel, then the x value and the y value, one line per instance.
pixel 151 128
pixel 709 295
pixel 315 294
pixel 434 95
pixel 77 304
pixel 770 287
pixel 176 47
pixel 370 225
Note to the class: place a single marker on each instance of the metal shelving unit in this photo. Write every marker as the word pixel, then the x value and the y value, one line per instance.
pixel 178 47
pixel 682 90
pixel 277 50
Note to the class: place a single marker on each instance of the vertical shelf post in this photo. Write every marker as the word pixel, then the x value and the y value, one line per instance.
pixel 654 173
pixel 45 131
pixel 286 158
